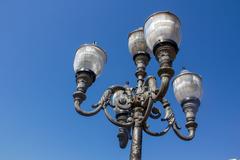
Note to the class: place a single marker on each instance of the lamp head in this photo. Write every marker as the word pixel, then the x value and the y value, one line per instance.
pixel 137 43
pixel 138 47
pixel 162 27
pixel 89 58
pixel 187 88
pixel 88 64
pixel 187 85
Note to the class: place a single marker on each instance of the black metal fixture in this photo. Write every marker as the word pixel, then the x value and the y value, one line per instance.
pixel 134 105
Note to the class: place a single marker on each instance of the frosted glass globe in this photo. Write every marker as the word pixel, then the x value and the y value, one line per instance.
pixel 187 85
pixel 162 26
pixel 90 57
pixel 137 43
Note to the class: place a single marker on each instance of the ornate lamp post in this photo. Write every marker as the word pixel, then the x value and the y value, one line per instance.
pixel 134 105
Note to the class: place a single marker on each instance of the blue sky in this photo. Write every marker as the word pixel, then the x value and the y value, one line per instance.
pixel 38 40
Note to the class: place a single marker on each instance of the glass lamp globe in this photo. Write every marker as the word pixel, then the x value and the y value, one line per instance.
pixel 89 57
pixel 187 85
pixel 160 27
pixel 137 43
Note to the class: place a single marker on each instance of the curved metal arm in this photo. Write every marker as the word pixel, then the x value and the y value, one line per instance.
pixel 172 122
pixel 169 116
pixel 146 130
pixel 112 120
pixel 148 110
pixel 80 96
pixel 78 109
pixel 162 89
pixel 190 136
pixel 191 125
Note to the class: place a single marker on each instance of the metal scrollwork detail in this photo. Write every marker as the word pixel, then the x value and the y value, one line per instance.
pixel 155 113
pixel 130 108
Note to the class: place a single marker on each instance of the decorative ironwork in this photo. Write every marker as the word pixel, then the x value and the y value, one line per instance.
pixel 134 106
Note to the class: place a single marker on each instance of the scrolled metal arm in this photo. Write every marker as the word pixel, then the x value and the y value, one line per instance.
pixel 162 89
pixel 191 125
pixel 80 96
pixel 115 122
pixel 113 89
pixel 169 116
pixel 190 136
pixel 158 94
pixel 85 113
pixel 157 134
pixel 148 110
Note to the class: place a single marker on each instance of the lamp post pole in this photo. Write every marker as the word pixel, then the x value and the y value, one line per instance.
pixel 141 60
pixel 134 106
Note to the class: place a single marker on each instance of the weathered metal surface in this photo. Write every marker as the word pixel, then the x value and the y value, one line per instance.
pixel 133 106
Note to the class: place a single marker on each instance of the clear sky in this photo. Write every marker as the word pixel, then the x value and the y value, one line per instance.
pixel 38 40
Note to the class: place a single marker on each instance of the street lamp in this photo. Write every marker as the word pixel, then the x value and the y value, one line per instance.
pixel 134 105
